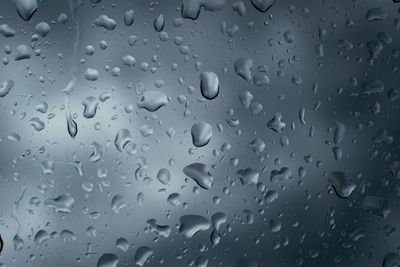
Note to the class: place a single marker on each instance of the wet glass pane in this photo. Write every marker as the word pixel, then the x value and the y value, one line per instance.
pixel 233 133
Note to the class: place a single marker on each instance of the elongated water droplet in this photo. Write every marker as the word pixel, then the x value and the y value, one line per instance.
pixel 5 87
pixel 129 17
pixel 209 84
pixel 191 224
pixel 201 133
pixel 117 203
pixel 105 22
pixel 191 8
pixel 243 67
pixel 18 243
pixel 71 126
pixel 90 104
pixel 62 203
pixel 159 23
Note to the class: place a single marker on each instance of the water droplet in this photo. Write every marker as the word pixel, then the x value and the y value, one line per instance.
pixel 162 230
pixel 218 219
pixel 47 167
pixel 262 5
pixel 122 244
pixel 373 86
pixel 90 104
pixel 275 225
pixel 41 237
pixel 105 22
pixel 123 139
pixel 199 172
pixel 22 52
pixel 376 13
pixel 248 176
pixel 159 23
pixel 174 199
pixel 288 36
pixel 276 124
pixel 142 255
pixel 280 175
pixel 243 67
pixel 201 133
pixel 71 126
pixel 129 17
pixel 18 243
pixel 42 28
pixel 164 176
pixel 245 98
pixel 7 31
pixel 191 224
pixel 26 8
pixel 117 203
pixel 376 205
pixel 67 236
pixel 339 132
pixel 91 74
pixel 209 84
pixel 108 260
pixel 37 124
pixel 152 100
pixel 62 203
pixel 191 8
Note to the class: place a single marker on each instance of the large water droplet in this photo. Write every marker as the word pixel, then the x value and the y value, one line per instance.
pixel 262 5
pixel 117 203
pixel 199 172
pixel 191 224
pixel 5 87
pixel 342 185
pixel 164 176
pixel 43 29
pixel 243 67
pixel 129 17
pixel 201 133
pixel 142 255
pixel 191 8
pixel 62 203
pixel 26 8
pixel 248 176
pixel 105 22
pixel 152 100
pixel 108 260
pixel 71 126
pixel 209 84
pixel 90 104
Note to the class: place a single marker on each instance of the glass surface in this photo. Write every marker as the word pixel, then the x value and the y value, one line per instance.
pixel 234 133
